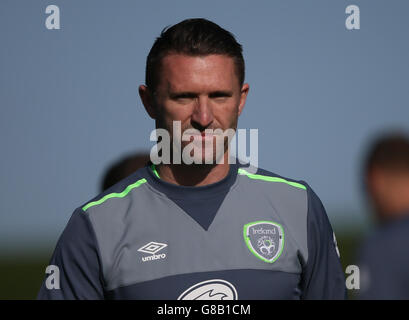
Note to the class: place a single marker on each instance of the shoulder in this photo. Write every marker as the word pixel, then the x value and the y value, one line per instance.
pixel 383 260
pixel 287 189
pixel 266 182
pixel 116 195
pixel 260 174
pixel 387 240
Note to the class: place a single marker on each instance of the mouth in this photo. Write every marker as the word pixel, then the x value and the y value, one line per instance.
pixel 207 136
pixel 203 136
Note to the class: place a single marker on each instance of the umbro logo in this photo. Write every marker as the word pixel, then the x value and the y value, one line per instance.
pixel 152 248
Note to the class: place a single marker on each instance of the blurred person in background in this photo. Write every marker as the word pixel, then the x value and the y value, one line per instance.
pixel 123 168
pixel 384 256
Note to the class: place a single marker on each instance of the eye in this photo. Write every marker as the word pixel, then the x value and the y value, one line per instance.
pixel 220 96
pixel 220 99
pixel 183 98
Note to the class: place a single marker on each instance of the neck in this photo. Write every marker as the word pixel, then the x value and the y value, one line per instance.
pixel 194 174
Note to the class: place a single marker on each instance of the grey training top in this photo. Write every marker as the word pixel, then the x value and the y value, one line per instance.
pixel 248 236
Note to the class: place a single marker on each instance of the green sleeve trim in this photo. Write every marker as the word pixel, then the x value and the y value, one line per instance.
pixel 115 195
pixel 153 167
pixel 271 179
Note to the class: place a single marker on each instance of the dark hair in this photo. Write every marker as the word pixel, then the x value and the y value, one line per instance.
pixel 123 168
pixel 390 152
pixel 194 37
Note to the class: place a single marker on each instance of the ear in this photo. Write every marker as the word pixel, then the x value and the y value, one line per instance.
pixel 243 96
pixel 147 100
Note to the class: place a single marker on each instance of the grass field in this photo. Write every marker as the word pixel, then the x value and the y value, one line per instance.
pixel 21 276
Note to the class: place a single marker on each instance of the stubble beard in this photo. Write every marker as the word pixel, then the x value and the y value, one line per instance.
pixel 209 157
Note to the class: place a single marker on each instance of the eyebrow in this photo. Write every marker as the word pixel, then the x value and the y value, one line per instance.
pixel 221 93
pixel 183 94
pixel 189 94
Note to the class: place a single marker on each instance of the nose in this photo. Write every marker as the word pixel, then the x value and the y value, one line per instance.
pixel 202 116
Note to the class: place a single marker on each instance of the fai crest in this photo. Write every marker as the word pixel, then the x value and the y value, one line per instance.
pixel 265 239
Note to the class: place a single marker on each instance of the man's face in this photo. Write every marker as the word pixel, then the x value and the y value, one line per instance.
pixel 200 92
pixel 388 191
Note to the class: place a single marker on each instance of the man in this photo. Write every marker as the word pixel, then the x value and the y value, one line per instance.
pixel 384 257
pixel 199 231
